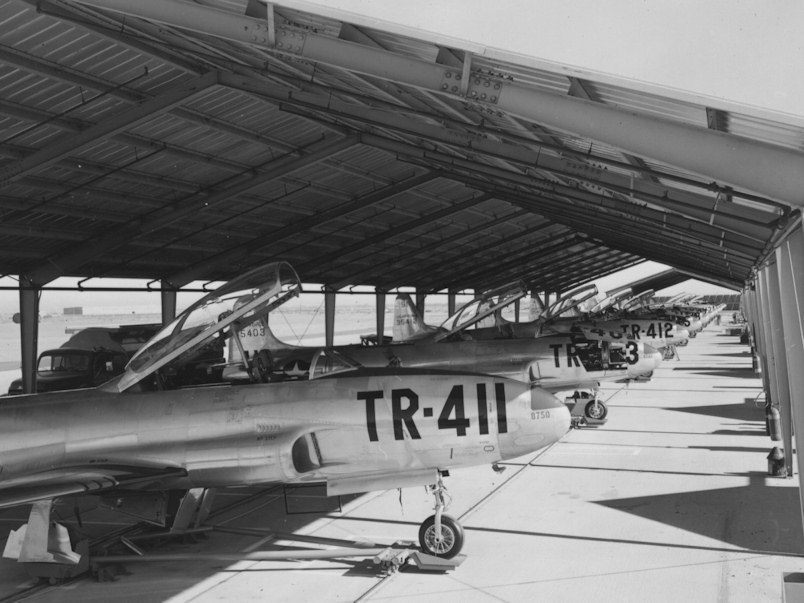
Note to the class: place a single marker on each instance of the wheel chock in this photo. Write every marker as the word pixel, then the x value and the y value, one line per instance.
pixel 429 563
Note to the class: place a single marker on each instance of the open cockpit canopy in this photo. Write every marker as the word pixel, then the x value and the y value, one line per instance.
pixel 566 305
pixel 482 307
pixel 231 307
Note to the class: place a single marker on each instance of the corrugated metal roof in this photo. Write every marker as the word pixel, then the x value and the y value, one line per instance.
pixel 167 147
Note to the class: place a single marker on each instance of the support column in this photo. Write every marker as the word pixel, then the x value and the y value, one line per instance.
pixel 380 308
pixel 168 297
pixel 761 336
pixel 29 335
pixel 421 299
pixel 329 316
pixel 451 296
pixel 790 258
pixel 779 368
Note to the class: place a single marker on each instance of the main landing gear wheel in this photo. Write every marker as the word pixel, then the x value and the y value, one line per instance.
pixel 596 410
pixel 445 543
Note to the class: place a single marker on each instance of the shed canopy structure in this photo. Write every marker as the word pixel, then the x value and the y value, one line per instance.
pixel 183 141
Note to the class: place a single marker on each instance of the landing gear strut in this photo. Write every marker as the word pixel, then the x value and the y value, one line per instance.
pixel 586 409
pixel 440 535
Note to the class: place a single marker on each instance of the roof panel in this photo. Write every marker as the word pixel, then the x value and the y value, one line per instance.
pixel 359 175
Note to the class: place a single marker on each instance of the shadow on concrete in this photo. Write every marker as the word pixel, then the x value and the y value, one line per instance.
pixel 645 542
pixel 715 371
pixel 248 516
pixel 757 449
pixel 756 517
pixel 748 413
pixel 751 429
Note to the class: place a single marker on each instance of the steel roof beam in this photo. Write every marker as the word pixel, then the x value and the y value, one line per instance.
pixel 72 259
pixel 493 249
pixel 757 166
pixel 395 231
pixel 266 239
pixel 432 248
pixel 581 89
pixel 626 243
pixel 55 151
pixel 690 205
pixel 471 269
pixel 658 221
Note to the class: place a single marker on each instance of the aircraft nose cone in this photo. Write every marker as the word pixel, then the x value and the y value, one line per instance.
pixel 682 335
pixel 654 355
pixel 649 359
pixel 551 412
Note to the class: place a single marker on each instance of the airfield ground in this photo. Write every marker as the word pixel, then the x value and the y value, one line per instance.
pixel 670 500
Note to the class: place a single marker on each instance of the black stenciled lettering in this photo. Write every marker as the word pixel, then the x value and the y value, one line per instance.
pixel 632 352
pixel 556 347
pixel 482 409
pixel 572 355
pixel 635 331
pixel 371 412
pixel 400 415
pixel 454 404
pixel 502 418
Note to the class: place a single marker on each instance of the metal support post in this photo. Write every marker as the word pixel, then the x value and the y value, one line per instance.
pixel 790 258
pixel 421 299
pixel 380 308
pixel 29 336
pixel 329 316
pixel 168 298
pixel 779 369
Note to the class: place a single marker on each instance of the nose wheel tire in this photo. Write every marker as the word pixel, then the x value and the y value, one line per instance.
pixel 596 410
pixel 447 544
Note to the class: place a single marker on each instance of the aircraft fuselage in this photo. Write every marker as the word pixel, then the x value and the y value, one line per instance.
pixel 373 424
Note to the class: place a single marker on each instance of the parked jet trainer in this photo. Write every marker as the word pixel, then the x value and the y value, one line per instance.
pixel 556 363
pixel 353 428
pixel 609 320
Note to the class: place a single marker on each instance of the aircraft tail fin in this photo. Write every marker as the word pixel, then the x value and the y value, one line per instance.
pixel 408 322
pixel 255 337
pixel 272 342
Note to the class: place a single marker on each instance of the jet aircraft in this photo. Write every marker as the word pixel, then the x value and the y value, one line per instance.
pixel 621 318
pixel 350 427
pixel 556 363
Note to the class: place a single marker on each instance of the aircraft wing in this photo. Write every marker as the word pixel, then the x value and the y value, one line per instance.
pixel 80 480
pixel 559 385
pixel 367 482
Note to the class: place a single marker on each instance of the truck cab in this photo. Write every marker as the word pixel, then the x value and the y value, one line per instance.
pixel 74 368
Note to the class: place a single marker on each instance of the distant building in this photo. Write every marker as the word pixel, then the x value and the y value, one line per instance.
pixel 74 311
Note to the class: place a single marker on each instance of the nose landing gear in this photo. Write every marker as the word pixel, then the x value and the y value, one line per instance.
pixel 586 409
pixel 440 535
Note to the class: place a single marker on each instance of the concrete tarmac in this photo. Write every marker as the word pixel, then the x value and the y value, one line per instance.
pixel 670 500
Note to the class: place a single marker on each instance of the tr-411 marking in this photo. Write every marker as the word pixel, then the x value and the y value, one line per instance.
pixel 405 404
